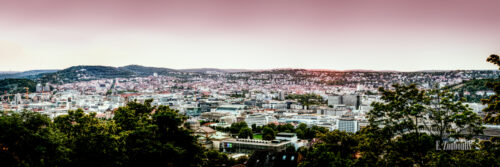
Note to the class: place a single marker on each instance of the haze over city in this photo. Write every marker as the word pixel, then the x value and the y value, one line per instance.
pixel 398 35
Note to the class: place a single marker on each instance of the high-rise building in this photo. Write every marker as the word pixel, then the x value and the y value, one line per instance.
pixel 334 100
pixel 39 88
pixel 348 100
pixel 46 88
pixel 18 99
pixel 352 100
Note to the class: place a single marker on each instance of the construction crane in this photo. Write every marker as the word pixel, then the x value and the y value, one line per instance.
pixel 27 92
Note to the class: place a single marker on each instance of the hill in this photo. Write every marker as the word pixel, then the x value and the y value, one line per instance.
pixel 205 70
pixel 472 86
pixel 26 74
pixel 146 71
pixel 82 73
pixel 16 85
pixel 85 73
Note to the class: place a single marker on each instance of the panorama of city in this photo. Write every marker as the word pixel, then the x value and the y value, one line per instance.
pixel 221 83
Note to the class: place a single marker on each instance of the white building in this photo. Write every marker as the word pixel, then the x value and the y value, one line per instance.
pixel 235 110
pixel 259 119
pixel 348 125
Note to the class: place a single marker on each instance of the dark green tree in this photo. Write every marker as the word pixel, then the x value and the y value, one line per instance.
pixel 268 134
pixel 449 118
pixel 236 127
pixel 28 139
pixel 245 133
pixel 493 108
pixel 334 149
pixel 92 141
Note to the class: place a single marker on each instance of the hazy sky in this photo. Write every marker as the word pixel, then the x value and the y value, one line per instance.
pixel 402 35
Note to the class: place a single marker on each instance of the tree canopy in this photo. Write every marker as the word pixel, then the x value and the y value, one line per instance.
pixel 138 135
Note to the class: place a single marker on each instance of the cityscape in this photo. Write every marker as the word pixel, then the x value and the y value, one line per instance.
pixel 222 83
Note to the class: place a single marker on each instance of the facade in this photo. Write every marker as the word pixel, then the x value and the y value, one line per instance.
pixel 334 100
pixel 287 137
pixel 348 100
pixel 259 119
pixel 39 88
pixel 235 110
pixel 348 125
pixel 251 145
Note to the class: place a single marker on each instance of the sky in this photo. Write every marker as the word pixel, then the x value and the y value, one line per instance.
pixel 403 35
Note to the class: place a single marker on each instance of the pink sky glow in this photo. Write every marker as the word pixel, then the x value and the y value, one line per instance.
pixel 404 35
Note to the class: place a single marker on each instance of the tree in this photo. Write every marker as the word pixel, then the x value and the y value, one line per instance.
pixel 335 148
pixel 402 112
pixel 28 139
pixel 138 135
pixel 158 137
pixel 92 141
pixel 285 128
pixel 245 133
pixel 402 109
pixel 236 127
pixel 268 134
pixel 492 111
pixel 449 118
pixel 306 99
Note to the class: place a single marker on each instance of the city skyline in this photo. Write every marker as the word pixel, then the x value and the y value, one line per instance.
pixel 333 35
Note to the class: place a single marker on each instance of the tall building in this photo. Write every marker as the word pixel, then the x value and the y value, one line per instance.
pixel 334 100
pixel 348 100
pixel 18 99
pixel 352 100
pixel 281 95
pixel 39 88
pixel 46 88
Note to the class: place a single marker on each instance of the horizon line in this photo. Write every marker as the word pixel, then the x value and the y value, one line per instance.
pixel 266 69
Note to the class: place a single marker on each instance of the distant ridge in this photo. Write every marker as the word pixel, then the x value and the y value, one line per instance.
pixel 26 74
pixel 79 73
pixel 204 70
pixel 91 72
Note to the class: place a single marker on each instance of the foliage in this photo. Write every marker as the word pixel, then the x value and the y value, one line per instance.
pixel 29 139
pixel 334 149
pixel 138 135
pixel 449 118
pixel 492 111
pixel 82 73
pixel 13 86
pixel 236 127
pixel 306 99
pixel 245 133
pixel 268 134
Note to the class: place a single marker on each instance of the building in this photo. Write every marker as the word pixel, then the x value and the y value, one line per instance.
pixel 292 137
pixel 39 88
pixel 348 125
pixel 205 131
pixel 273 159
pixel 334 100
pixel 259 119
pixel 352 100
pixel 235 110
pixel 348 100
pixel 213 116
pixel 287 137
pixel 46 88
pixel 251 145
